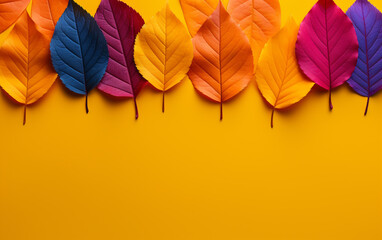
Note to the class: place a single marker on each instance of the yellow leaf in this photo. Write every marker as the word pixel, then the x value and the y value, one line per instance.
pixel 163 51
pixel 222 66
pixel 10 11
pixel 26 72
pixel 259 19
pixel 278 75
pixel 196 12
pixel 45 13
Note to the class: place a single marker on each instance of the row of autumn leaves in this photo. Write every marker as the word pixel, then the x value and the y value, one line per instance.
pixel 223 64
pixel 117 52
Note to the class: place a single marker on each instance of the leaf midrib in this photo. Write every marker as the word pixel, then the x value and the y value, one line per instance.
pixel 327 47
pixel 283 79
pixel 28 59
pixel 165 51
pixel 220 54
pixel 80 45
pixel 123 48
pixel 366 51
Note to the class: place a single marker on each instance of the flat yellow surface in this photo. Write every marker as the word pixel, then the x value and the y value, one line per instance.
pixel 186 175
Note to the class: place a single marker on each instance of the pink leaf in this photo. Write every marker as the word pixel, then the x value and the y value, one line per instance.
pixel 120 25
pixel 327 46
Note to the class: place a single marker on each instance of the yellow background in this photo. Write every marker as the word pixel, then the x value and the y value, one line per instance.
pixel 186 175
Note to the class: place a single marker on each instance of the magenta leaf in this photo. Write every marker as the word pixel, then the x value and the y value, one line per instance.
pixel 120 25
pixel 327 46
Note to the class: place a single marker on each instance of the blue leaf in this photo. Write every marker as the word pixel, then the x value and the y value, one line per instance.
pixel 367 77
pixel 79 50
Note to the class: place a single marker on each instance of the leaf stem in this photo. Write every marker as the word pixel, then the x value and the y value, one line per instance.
pixel 136 108
pixel 25 115
pixel 163 101
pixel 86 104
pixel 221 111
pixel 272 116
pixel 330 99
pixel 367 105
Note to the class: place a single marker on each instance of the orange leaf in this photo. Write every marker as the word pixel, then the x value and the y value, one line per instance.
pixel 196 12
pixel 26 72
pixel 278 75
pixel 223 62
pixel 163 51
pixel 259 19
pixel 10 11
pixel 45 13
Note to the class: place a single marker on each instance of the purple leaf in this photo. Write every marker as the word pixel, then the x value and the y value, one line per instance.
pixel 367 77
pixel 120 25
